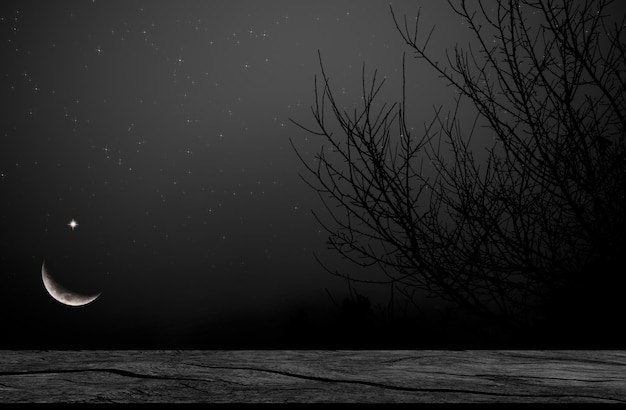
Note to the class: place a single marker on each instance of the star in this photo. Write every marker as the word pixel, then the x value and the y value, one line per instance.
pixel 73 224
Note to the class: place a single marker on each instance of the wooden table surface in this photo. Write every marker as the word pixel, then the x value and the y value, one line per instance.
pixel 301 376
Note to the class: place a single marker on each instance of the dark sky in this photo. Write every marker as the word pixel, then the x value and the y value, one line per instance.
pixel 162 128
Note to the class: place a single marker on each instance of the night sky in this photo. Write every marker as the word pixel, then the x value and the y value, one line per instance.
pixel 162 128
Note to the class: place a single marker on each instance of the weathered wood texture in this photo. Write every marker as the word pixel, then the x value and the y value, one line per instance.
pixel 312 376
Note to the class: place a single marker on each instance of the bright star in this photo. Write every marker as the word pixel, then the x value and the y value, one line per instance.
pixel 73 224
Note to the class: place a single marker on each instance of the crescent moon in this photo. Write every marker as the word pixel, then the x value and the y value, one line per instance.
pixel 62 294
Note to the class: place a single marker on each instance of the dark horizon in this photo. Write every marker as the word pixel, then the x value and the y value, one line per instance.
pixel 337 320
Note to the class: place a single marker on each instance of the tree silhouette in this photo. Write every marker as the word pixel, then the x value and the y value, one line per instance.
pixel 520 208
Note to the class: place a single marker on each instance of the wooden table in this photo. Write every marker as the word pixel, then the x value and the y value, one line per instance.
pixel 256 376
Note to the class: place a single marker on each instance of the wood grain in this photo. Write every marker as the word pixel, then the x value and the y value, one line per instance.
pixel 275 376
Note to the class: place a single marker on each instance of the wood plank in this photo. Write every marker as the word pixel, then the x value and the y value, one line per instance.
pixel 274 376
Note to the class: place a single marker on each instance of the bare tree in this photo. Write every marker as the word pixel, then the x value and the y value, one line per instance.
pixel 501 214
